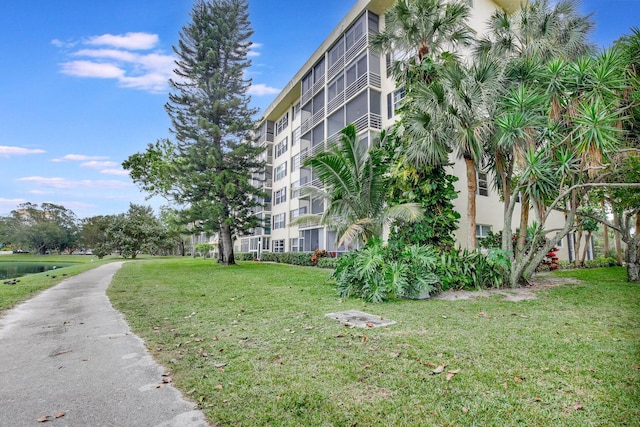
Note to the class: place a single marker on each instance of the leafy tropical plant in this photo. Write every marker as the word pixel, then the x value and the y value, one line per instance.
pixel 355 179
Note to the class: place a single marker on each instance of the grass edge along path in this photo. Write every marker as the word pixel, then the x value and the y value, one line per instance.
pixel 250 344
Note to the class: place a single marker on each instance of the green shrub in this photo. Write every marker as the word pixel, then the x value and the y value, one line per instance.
pixel 565 265
pixel 243 256
pixel 297 258
pixel 327 262
pixel 378 273
pixel 600 262
pixel 270 256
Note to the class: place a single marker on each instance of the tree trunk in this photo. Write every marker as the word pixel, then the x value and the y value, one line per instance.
pixel 227 244
pixel 577 245
pixel 587 241
pixel 605 230
pixel 220 251
pixel 617 237
pixel 472 186
pixel 524 223
pixel 633 263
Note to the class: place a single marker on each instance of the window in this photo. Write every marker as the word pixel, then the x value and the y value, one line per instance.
pixel 482 231
pixel 307 82
pixel 296 137
pixel 354 33
pixel 295 163
pixel 398 95
pixel 336 52
pixel 280 171
pixel 357 107
pixel 278 245
pixel 279 221
pixel 336 87
pixel 295 213
pixel 318 71
pixel 280 196
pixel 335 122
pixel 296 111
pixel 282 124
pixel 280 148
pixel 483 184
pixel 295 189
pixel 318 102
pixel 358 69
pixel 294 245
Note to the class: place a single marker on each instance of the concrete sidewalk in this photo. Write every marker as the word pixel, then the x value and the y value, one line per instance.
pixel 68 351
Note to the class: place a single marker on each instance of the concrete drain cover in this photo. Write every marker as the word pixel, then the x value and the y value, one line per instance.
pixel 360 319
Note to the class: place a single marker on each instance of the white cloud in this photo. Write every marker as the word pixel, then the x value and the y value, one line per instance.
pixel 6 151
pixel 118 172
pixel 98 165
pixel 67 184
pixel 63 44
pixel 261 90
pixel 79 158
pixel 253 49
pixel 148 71
pixel 92 69
pixel 131 41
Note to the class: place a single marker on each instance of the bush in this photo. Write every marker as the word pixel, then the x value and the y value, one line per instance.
pixel 297 258
pixel 243 256
pixel 327 262
pixel 566 265
pixel 378 273
pixel 600 262
pixel 270 256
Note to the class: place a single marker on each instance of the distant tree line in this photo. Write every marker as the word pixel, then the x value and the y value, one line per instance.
pixel 51 228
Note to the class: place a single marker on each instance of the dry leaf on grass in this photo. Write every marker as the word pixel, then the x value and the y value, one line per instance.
pixel 451 374
pixel 219 387
pixel 438 370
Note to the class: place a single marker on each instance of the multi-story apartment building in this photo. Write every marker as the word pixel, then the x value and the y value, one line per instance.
pixel 344 81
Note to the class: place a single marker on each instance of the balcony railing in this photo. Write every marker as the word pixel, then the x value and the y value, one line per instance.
pixel 265 137
pixel 355 49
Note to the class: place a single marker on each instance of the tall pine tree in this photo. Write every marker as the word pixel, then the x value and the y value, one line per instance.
pixel 211 163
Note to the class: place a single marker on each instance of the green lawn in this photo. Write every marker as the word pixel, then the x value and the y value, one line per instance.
pixel 252 346
pixel 30 285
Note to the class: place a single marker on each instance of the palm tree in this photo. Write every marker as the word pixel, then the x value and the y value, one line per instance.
pixel 443 101
pixel 539 34
pixel 354 178
pixel 417 29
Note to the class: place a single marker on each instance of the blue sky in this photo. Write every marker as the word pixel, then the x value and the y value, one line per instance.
pixel 83 85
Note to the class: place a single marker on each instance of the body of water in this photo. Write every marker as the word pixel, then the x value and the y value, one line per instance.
pixel 10 270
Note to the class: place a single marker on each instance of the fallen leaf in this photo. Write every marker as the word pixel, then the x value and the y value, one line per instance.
pixel 368 325
pixel 365 338
pixel 190 392
pixel 62 352
pixel 465 409
pixel 219 387
pixel 45 418
pixel 60 414
pixel 431 364
pixel 451 374
pixel 483 314
pixel 166 374
pixel 537 399
pixel 219 365
pixel 438 370
pixel 166 380
pixel 518 379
